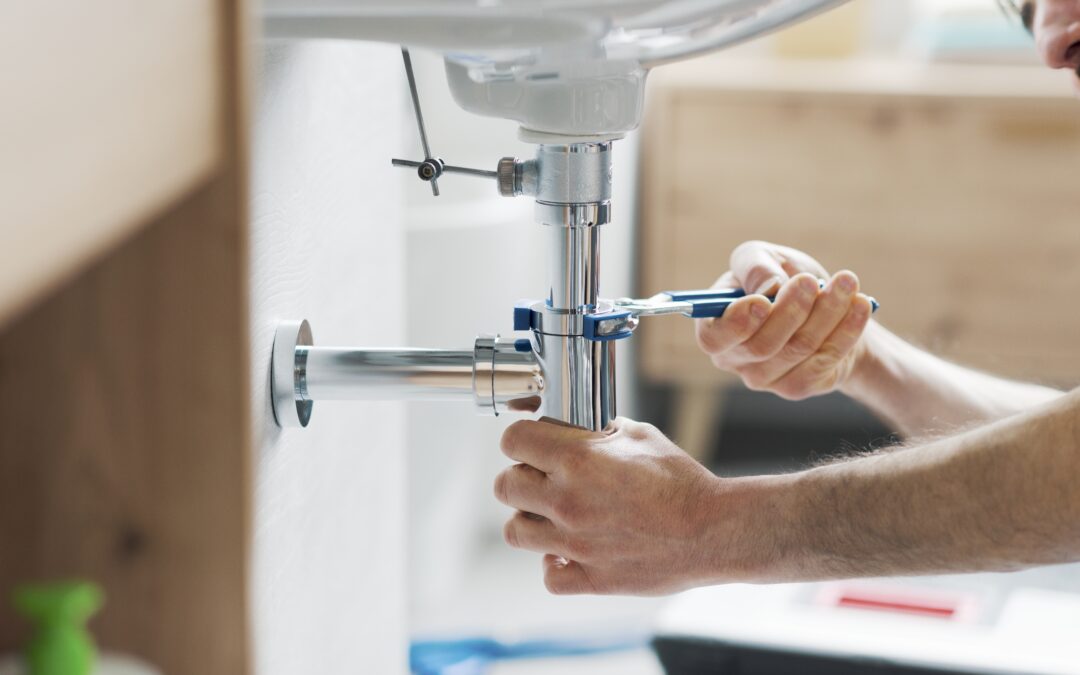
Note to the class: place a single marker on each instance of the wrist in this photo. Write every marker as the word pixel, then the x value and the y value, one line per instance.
pixel 874 370
pixel 752 530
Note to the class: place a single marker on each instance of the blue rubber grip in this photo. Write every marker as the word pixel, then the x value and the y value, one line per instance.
pixel 704 309
pixel 707 304
pixel 523 314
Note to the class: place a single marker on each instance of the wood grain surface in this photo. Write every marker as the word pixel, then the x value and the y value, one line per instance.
pixel 955 205
pixel 125 445
pixel 111 112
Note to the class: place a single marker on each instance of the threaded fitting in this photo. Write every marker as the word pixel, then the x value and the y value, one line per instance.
pixel 506 172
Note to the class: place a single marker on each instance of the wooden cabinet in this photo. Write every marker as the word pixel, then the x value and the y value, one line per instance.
pixel 124 387
pixel 111 111
pixel 950 190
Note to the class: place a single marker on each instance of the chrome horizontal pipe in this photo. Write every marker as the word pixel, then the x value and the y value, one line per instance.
pixel 342 374
pixel 497 375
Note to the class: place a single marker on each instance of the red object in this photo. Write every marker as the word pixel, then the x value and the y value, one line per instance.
pixel 939 608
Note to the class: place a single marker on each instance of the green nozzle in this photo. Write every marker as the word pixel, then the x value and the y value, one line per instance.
pixel 61 644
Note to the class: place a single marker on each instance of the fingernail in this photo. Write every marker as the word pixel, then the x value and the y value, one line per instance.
pixel 767 287
pixel 846 283
pixel 759 311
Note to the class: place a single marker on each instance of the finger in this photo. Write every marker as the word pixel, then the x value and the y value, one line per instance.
pixel 529 404
pixel 738 323
pixel 793 305
pixel 758 267
pixel 560 423
pixel 726 280
pixel 796 262
pixel 566 577
pixel 533 533
pixel 536 443
pixel 525 488
pixel 830 308
pixel 821 371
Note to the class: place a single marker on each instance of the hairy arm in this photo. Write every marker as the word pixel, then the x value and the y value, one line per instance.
pixel 810 342
pixel 1002 497
pixel 921 394
pixel 626 511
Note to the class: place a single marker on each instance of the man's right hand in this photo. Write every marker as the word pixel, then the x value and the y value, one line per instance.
pixel 805 343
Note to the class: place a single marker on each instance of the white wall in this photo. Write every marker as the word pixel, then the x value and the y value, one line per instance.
pixel 328 587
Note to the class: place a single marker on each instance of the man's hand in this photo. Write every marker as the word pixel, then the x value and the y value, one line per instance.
pixel 624 511
pixel 805 343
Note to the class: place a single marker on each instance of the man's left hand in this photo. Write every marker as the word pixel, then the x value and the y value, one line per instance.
pixel 623 511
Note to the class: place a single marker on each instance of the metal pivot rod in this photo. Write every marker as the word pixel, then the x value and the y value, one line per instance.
pixel 432 167
pixel 497 375
pixel 447 168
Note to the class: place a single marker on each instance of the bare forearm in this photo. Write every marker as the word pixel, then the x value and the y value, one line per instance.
pixel 998 498
pixel 920 394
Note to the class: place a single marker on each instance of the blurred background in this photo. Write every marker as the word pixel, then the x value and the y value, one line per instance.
pixel 169 194
pixel 891 138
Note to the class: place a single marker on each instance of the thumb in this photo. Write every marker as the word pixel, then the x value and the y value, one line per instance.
pixel 758 267
pixel 565 577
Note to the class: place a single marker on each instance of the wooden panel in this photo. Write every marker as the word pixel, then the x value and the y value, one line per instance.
pixel 110 112
pixel 125 445
pixel 960 214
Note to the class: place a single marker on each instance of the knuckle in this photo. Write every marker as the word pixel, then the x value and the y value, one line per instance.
pixel 502 488
pixel 707 339
pixel 801 345
pixel 569 511
pixel 720 362
pixel 747 246
pixel 519 471
pixel 649 430
pixel 760 350
pixel 807 294
pixel 754 385
pixel 510 533
pixel 753 381
pixel 753 378
pixel 553 584
pixel 793 389
pixel 828 356
pixel 862 311
pixel 640 431
pixel 509 437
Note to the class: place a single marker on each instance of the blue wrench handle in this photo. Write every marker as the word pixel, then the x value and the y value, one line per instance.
pixel 712 303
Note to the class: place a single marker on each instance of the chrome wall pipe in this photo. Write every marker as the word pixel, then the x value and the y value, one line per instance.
pixel 343 374
pixel 498 375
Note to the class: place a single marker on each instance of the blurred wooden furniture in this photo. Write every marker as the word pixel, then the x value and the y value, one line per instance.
pixel 950 190
pixel 124 389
